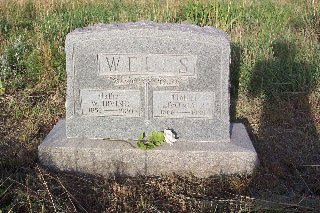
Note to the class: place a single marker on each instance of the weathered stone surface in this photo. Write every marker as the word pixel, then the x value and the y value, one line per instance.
pixel 107 157
pixel 126 79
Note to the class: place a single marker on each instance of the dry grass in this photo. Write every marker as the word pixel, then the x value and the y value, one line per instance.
pixel 281 108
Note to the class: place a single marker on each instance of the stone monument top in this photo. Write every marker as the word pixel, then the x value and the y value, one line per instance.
pixel 125 79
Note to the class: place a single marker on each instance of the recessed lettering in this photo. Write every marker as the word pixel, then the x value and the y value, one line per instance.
pixel 113 63
pixel 179 77
pixel 149 64
pixel 140 81
pixel 183 104
pixel 125 103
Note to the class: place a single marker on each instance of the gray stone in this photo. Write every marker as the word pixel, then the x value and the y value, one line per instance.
pixel 126 79
pixel 107 157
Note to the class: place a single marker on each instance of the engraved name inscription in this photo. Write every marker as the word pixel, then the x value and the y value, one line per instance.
pixel 183 104
pixel 147 64
pixel 125 103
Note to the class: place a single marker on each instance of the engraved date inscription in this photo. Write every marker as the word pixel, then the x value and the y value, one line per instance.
pixel 125 103
pixel 183 104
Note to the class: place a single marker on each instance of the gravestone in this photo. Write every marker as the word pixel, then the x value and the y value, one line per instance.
pixel 127 79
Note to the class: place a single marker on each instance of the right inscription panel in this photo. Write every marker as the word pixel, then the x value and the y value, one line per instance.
pixel 183 104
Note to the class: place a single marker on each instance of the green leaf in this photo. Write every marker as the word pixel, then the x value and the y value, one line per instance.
pixel 156 136
pixel 141 145
pixel 155 139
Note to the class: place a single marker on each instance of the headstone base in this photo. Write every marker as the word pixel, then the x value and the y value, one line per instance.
pixel 107 157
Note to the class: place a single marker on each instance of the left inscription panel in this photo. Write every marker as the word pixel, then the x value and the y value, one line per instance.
pixel 120 103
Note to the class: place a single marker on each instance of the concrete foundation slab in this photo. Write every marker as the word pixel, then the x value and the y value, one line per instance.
pixel 108 157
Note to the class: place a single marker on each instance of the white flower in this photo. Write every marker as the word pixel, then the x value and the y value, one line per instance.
pixel 169 136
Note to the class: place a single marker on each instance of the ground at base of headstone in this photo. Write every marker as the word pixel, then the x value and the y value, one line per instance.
pixel 38 188
pixel 109 158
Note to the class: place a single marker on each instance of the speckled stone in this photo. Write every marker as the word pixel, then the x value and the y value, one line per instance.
pixel 126 79
pixel 109 158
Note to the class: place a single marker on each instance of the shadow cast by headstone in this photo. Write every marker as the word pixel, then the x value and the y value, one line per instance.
pixel 235 66
pixel 287 137
pixel 123 170
pixel 14 155
pixel 236 53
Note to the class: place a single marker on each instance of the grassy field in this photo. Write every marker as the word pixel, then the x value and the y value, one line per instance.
pixel 275 78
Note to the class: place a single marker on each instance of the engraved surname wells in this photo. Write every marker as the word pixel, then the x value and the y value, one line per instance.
pixel 147 64
pixel 123 103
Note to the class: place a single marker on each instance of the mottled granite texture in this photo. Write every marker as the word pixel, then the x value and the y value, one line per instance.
pixel 108 158
pixel 125 79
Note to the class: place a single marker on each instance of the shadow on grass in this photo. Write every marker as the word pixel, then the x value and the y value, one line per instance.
pixel 287 139
pixel 234 78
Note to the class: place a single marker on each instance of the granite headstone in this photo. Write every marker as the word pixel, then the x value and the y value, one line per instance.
pixel 127 79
